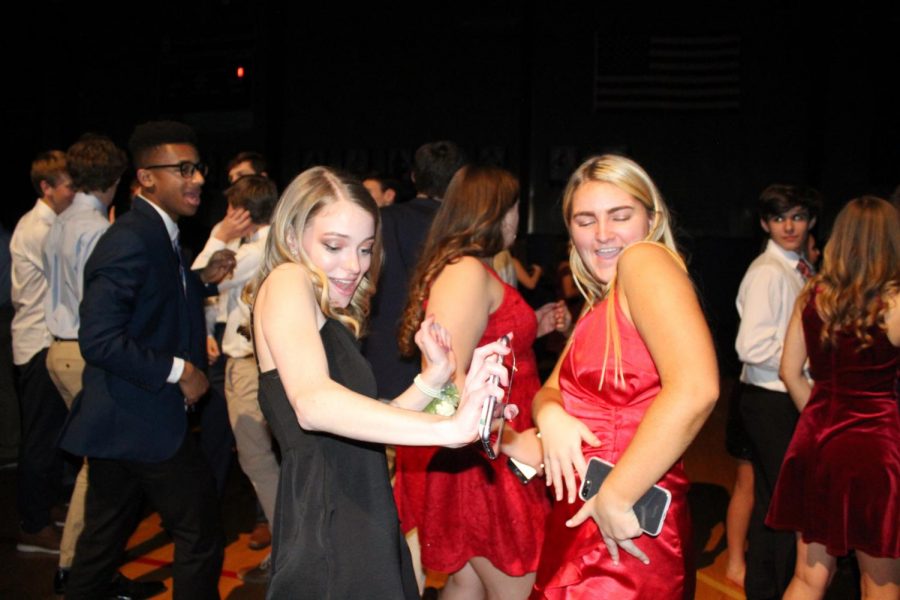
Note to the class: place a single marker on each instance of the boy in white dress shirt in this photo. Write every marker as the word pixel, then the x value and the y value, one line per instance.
pixel 765 301
pixel 42 409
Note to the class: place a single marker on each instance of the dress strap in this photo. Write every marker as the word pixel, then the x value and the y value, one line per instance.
pixel 493 273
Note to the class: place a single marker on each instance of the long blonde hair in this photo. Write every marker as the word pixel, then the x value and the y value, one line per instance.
pixel 631 178
pixel 307 194
pixel 860 272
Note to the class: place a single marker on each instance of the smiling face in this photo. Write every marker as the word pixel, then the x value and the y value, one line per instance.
pixel 339 240
pixel 789 229
pixel 178 196
pixel 605 220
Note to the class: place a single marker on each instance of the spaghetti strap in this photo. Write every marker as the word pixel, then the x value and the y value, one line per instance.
pixel 492 272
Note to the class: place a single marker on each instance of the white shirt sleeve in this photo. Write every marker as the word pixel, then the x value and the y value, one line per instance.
pixel 213 245
pixel 247 258
pixel 762 306
pixel 177 370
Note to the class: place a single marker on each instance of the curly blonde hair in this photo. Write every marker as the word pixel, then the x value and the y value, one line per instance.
pixel 860 271
pixel 307 194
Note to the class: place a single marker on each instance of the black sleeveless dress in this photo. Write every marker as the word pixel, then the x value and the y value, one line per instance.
pixel 336 533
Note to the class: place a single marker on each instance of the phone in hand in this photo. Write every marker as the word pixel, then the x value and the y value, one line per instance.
pixel 492 416
pixel 650 509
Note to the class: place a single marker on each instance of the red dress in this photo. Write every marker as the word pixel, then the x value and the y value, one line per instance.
pixel 575 563
pixel 464 504
pixel 840 482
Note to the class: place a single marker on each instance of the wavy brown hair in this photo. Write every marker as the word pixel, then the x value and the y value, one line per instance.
pixel 307 194
pixel 468 223
pixel 860 272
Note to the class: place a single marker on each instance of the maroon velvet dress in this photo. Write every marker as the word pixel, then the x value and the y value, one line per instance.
pixel 575 564
pixel 464 504
pixel 839 485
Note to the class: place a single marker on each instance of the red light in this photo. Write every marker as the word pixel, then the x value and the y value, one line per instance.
pixel 240 72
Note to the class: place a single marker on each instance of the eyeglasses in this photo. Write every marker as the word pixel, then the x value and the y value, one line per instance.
pixel 186 168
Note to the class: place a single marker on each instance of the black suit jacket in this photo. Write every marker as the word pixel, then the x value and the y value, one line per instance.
pixel 404 228
pixel 135 317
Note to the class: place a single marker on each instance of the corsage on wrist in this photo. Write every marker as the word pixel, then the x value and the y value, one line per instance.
pixel 445 400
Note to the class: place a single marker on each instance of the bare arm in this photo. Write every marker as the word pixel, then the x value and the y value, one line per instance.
pixel 793 359
pixel 526 278
pixel 461 300
pixel 288 333
pixel 675 332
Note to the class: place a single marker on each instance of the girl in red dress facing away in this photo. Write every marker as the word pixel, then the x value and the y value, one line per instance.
pixel 839 485
pixel 635 384
pixel 475 519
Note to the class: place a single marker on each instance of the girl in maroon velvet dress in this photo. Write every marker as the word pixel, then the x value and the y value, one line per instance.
pixel 839 486
pixel 475 519
pixel 634 387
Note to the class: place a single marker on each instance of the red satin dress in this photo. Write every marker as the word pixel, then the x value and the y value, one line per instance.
pixel 839 485
pixel 463 503
pixel 575 563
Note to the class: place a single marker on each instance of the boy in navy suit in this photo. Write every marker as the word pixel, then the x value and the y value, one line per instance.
pixel 142 336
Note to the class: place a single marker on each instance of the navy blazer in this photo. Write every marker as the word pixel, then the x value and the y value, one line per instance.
pixel 404 227
pixel 135 317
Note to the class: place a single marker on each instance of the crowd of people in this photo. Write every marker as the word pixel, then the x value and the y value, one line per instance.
pixel 317 326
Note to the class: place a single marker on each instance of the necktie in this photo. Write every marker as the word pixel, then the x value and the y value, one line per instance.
pixel 177 247
pixel 804 268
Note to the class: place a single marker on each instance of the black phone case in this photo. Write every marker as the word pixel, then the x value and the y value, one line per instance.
pixel 650 509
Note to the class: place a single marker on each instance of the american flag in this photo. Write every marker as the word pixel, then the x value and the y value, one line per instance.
pixel 667 72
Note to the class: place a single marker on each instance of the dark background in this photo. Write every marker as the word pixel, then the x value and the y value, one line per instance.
pixel 811 99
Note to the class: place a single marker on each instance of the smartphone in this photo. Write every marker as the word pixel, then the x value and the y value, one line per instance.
pixel 524 473
pixel 492 415
pixel 650 509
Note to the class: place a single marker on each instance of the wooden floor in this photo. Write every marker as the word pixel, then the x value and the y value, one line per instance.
pixel 24 577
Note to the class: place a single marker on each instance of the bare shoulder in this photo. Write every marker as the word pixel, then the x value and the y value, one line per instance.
pixel 466 268
pixel 287 275
pixel 642 260
pixel 288 280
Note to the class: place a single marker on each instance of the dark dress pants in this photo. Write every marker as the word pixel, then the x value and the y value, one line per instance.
pixel 40 460
pixel 216 437
pixel 769 418
pixel 182 489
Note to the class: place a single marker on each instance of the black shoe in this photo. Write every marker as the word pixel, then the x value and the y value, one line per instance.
pixel 60 579
pixel 258 574
pixel 122 588
pixel 430 593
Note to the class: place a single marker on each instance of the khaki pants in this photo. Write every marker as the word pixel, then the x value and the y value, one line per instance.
pixel 65 364
pixel 251 431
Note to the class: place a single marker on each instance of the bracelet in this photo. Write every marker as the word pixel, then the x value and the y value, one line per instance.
pixel 426 389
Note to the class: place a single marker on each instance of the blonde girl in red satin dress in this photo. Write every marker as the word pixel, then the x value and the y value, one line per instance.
pixel 635 384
